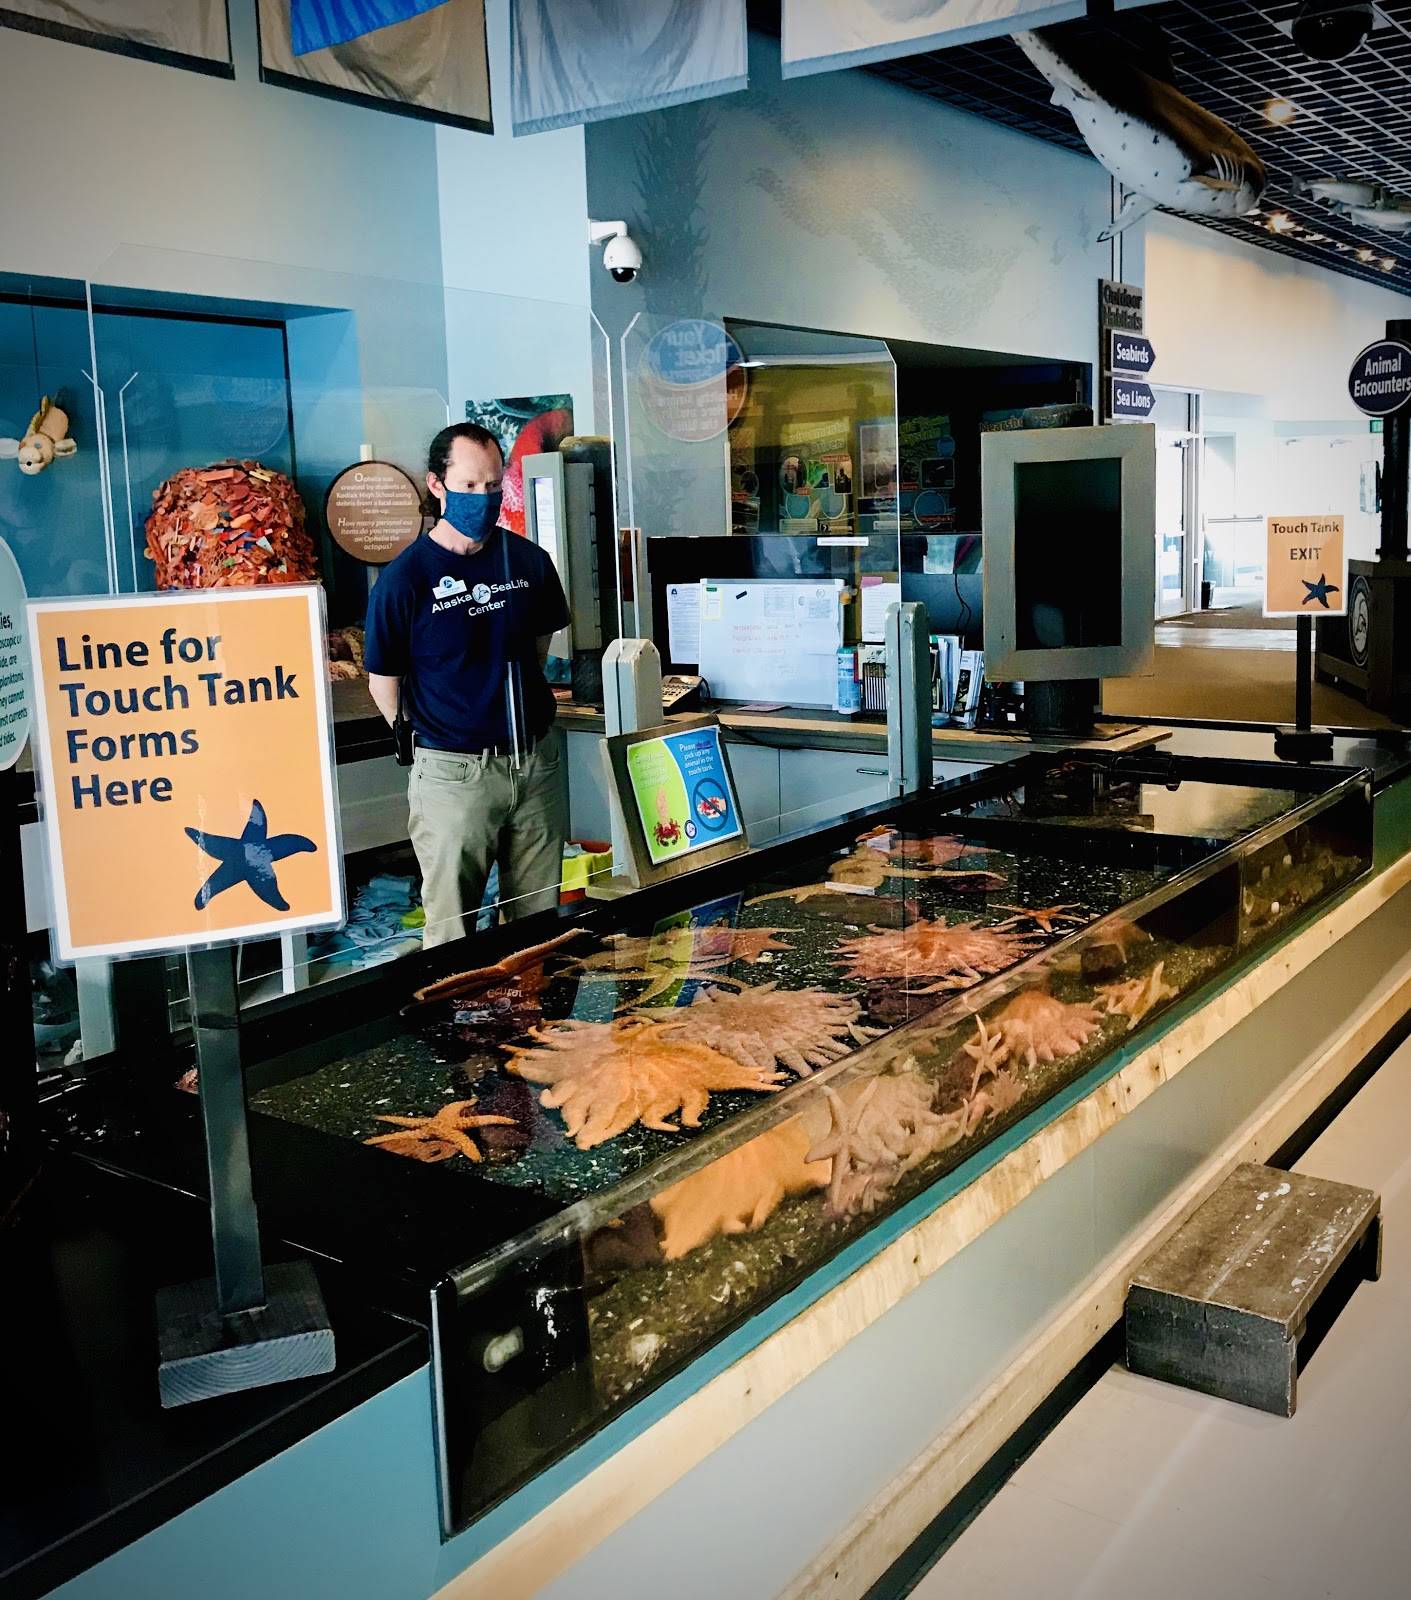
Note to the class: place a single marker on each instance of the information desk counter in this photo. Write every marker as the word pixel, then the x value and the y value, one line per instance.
pixel 606 1166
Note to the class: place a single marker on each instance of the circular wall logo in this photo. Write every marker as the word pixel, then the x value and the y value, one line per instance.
pixel 691 380
pixel 480 593
pixel 1380 380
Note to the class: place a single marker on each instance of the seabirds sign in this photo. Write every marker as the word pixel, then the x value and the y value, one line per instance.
pixel 1130 352
pixel 183 754
pixel 1305 570
pixel 1380 380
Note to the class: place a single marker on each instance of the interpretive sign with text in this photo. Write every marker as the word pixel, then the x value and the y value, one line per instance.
pixel 682 793
pixel 185 772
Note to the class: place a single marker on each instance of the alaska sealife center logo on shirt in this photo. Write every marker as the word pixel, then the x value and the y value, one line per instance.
pixel 481 598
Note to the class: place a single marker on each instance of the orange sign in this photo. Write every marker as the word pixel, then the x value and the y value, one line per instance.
pixel 183 755
pixel 1305 570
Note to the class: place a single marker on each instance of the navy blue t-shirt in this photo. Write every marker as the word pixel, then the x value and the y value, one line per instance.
pixel 454 628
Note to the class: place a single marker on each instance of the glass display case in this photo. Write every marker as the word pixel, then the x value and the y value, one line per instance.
pixel 600 1144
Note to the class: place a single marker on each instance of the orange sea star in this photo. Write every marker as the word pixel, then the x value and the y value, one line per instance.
pixel 958 954
pixel 440 1136
pixel 1037 1027
pixel 606 1076
pixel 801 1028
pixel 739 1191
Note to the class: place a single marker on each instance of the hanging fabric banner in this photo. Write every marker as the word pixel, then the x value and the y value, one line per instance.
pixel 607 58
pixel 429 60
pixel 825 35
pixel 321 24
pixel 177 33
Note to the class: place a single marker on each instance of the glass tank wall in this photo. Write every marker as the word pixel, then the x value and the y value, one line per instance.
pixel 705 1101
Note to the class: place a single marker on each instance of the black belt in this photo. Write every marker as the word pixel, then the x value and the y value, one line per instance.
pixel 526 749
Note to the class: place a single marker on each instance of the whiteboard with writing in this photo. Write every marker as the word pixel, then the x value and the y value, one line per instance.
pixel 771 638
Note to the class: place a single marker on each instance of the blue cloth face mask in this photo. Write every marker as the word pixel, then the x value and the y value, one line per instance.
pixel 473 515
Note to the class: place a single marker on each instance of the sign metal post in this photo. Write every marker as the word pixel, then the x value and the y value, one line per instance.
pixel 1305 575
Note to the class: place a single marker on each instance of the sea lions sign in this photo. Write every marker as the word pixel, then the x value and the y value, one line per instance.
pixel 1380 380
pixel 185 771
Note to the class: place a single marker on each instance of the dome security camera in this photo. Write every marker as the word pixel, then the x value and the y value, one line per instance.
pixel 622 255
pixel 1331 29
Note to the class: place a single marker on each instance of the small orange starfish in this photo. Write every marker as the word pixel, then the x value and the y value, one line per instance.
pixel 438 1137
pixel 1048 919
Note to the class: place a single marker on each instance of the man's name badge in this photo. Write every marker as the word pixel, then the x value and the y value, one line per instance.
pixel 447 587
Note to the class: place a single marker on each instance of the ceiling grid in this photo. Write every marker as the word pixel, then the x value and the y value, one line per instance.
pixel 1350 119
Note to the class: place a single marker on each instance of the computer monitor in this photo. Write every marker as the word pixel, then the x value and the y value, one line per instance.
pixel 1070 554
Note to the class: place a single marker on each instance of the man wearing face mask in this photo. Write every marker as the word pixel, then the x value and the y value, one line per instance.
pixel 458 630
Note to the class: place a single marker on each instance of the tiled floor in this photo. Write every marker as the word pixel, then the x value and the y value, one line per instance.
pixel 1148 1490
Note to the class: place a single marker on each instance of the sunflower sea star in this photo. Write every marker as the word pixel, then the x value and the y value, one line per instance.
pixel 882 1127
pixel 1135 998
pixel 438 1137
pixel 867 868
pixel 606 1076
pixel 957 954
pixel 937 851
pixel 1000 1094
pixel 800 1028
pixel 673 954
pixel 739 1191
pixel 1037 1027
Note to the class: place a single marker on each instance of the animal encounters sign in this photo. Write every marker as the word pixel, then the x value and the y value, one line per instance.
pixel 183 754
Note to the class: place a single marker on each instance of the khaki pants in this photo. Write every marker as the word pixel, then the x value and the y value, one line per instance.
pixel 469 811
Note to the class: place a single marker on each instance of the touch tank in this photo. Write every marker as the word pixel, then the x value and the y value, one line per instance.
pixel 666 1115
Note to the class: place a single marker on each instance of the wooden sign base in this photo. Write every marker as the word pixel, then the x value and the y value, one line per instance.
pixel 205 1353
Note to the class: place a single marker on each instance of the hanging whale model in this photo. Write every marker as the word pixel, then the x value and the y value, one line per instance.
pixel 1154 140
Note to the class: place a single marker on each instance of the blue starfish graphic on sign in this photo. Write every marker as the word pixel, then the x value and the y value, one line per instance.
pixel 1319 591
pixel 248 859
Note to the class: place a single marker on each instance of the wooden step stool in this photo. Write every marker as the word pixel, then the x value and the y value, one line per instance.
pixel 1235 1302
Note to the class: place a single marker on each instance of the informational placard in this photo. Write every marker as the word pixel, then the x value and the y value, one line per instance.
pixel 373 511
pixel 683 622
pixel 184 758
pixel 14 660
pixel 771 638
pixel 1305 568
pixel 1380 380
pixel 672 791
pixel 682 793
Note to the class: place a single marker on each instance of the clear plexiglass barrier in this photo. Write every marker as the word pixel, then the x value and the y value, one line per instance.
pixel 240 422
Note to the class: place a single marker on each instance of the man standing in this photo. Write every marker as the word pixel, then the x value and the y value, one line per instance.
pixel 458 630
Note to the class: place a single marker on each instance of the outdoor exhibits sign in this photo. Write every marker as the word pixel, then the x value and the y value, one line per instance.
pixel 1305 568
pixel 182 747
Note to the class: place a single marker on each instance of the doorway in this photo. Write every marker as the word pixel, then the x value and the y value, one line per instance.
pixel 1177 419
